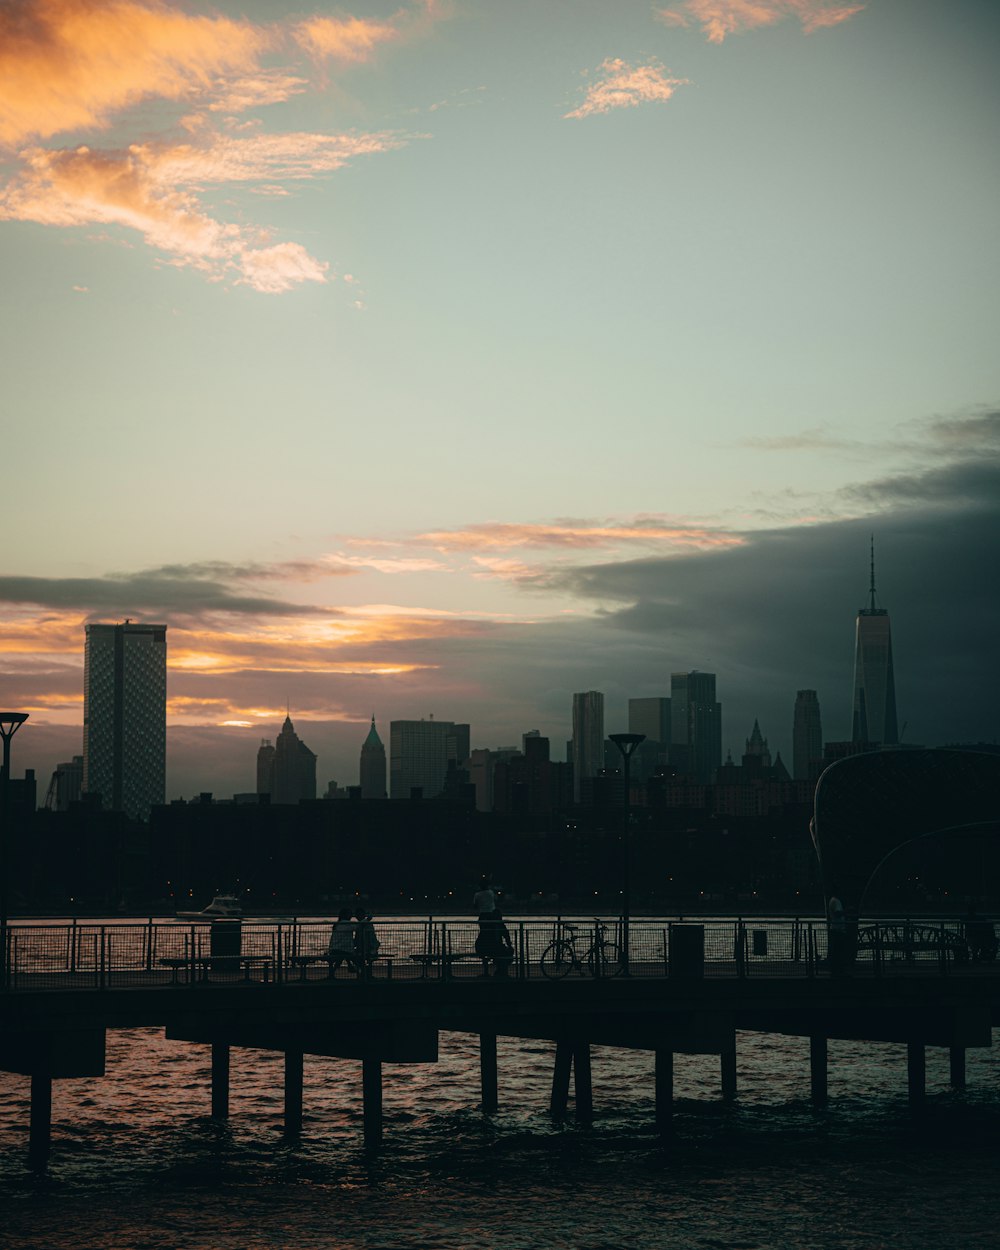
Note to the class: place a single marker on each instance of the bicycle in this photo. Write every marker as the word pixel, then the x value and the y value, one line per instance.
pixel 603 957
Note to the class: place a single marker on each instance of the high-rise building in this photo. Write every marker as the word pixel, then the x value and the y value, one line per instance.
pixel 874 683
pixel 419 754
pixel 650 717
pixel 588 740
pixel 294 775
pixel 265 766
pixel 68 783
pixel 807 735
pixel 125 716
pixel 695 725
pixel 373 765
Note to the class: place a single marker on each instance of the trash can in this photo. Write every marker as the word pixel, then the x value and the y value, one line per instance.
pixel 760 941
pixel 687 950
pixel 225 939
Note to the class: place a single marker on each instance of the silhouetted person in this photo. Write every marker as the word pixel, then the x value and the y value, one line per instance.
pixel 837 936
pixel 342 942
pixel 366 942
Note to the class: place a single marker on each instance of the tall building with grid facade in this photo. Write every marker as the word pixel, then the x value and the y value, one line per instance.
pixel 125 716
pixel 874 720
pixel 588 741
pixel 419 754
pixel 695 725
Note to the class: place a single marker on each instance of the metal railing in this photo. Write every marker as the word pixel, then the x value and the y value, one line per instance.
pixel 83 955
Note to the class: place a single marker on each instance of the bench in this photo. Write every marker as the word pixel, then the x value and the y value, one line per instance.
pixel 203 964
pixel 444 960
pixel 908 939
pixel 302 962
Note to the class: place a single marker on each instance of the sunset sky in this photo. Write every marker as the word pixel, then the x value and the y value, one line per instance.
pixel 450 356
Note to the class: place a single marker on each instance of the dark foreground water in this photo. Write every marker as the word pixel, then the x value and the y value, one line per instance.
pixel 138 1165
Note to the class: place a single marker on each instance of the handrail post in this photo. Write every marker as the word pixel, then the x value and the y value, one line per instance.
pixel 278 966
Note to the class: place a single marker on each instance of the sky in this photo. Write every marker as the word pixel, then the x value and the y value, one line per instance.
pixel 446 357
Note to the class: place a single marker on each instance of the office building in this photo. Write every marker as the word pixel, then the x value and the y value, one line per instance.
pixel 807 736
pixel 68 780
pixel 373 765
pixel 419 754
pixel 125 716
pixel 695 726
pixel 265 767
pixel 294 777
pixel 650 717
pixel 588 741
pixel 874 683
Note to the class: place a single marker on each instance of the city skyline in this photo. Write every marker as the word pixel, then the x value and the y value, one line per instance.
pixel 453 358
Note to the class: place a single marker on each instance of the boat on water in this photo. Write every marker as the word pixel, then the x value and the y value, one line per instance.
pixel 222 907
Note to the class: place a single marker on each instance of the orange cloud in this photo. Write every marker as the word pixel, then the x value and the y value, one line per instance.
pixel 342 39
pixel 71 64
pixel 719 18
pixel 624 86
pixel 81 65
pixel 151 189
pixel 499 536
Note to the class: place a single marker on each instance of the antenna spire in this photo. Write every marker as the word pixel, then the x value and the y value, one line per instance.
pixel 871 587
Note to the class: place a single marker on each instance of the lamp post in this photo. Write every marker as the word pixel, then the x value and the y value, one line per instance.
pixel 10 723
pixel 626 744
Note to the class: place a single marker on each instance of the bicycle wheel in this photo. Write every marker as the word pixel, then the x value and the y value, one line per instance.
pixel 557 959
pixel 605 959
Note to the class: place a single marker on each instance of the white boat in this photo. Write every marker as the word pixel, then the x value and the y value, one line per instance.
pixel 222 907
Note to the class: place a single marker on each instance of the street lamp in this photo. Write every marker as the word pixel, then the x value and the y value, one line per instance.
pixel 10 723
pixel 626 743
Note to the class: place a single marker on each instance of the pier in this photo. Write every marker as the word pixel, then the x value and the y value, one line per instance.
pixel 686 988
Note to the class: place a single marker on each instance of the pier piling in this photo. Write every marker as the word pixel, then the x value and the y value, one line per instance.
pixel 582 1083
pixel 488 1072
pixel 727 1065
pixel 40 1131
pixel 560 1078
pixel 220 1081
pixel 293 1093
pixel 956 1065
pixel 818 1069
pixel 916 1071
pixel 664 1079
pixel 371 1088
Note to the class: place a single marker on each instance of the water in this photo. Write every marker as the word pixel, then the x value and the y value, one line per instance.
pixel 138 1165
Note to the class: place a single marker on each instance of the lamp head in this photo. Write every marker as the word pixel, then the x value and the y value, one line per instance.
pixel 627 743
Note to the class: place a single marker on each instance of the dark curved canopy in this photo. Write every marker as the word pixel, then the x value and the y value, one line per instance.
pixel 869 805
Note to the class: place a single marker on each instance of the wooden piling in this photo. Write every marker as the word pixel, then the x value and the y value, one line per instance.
pixel 664 1080
pixel 220 1081
pixel 727 1066
pixel 560 1078
pixel 916 1071
pixel 582 1083
pixel 956 1064
pixel 40 1132
pixel 293 1093
pixel 371 1088
pixel 818 1069
pixel 488 1072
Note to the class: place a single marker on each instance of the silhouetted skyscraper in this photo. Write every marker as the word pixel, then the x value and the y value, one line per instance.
pixel 695 725
pixel 265 766
pixel 588 739
pixel 419 754
pixel 294 775
pixel 874 683
pixel 650 717
pixel 807 735
pixel 125 716
pixel 373 765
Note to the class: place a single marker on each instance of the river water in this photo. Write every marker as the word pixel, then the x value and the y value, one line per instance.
pixel 137 1164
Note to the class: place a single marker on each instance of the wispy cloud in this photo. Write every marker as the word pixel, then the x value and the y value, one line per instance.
pixel 719 18
pixel 576 535
pixel 82 67
pixel 621 85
